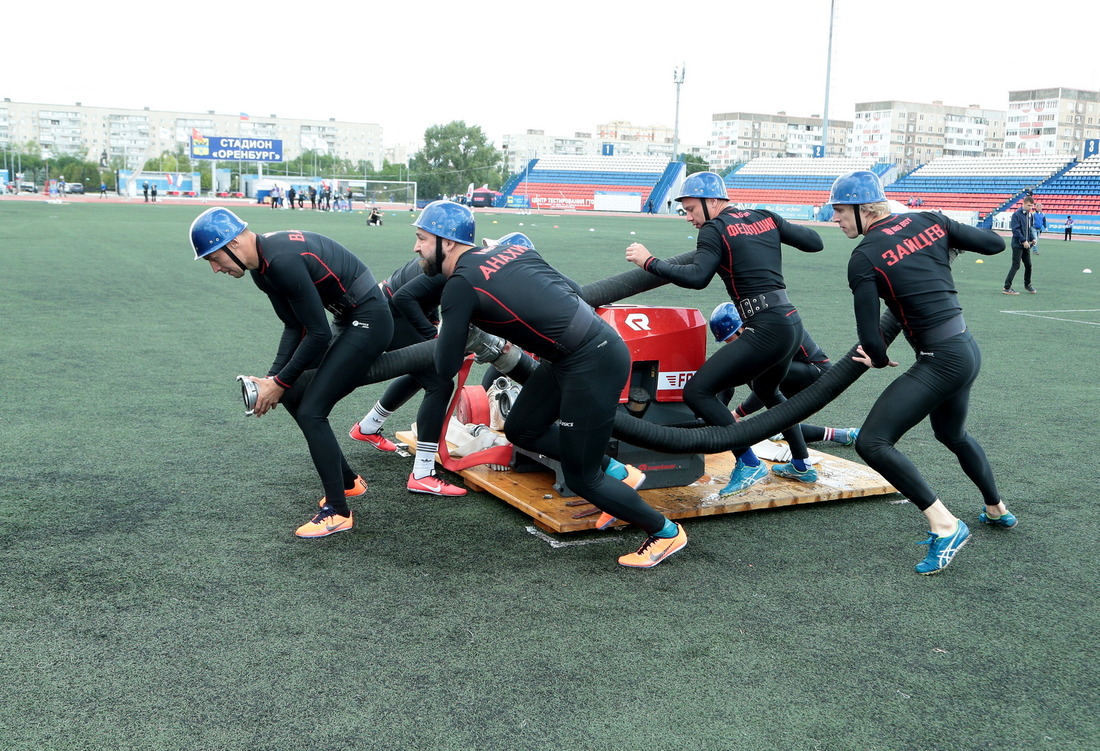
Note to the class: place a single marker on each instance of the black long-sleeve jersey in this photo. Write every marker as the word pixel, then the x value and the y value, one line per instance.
pixel 302 273
pixel 905 259
pixel 744 248
pixel 510 292
pixel 415 296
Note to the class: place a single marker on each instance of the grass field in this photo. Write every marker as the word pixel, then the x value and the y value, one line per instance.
pixel 156 598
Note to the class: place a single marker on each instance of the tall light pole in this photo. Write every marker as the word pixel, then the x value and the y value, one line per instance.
pixel 828 79
pixel 678 79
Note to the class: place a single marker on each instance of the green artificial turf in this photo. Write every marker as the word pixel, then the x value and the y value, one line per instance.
pixel 154 596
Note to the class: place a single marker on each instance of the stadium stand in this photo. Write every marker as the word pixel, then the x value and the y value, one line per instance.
pixel 1074 191
pixel 982 184
pixel 792 181
pixel 592 182
pixel 983 187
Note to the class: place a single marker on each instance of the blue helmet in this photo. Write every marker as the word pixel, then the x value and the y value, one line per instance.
pixel 516 238
pixel 857 188
pixel 704 185
pixel 213 229
pixel 724 321
pixel 449 220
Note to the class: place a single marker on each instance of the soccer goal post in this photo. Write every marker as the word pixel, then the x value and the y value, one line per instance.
pixel 398 192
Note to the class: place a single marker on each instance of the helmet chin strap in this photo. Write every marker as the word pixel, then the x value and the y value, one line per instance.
pixel 438 257
pixel 706 212
pixel 859 219
pixel 236 260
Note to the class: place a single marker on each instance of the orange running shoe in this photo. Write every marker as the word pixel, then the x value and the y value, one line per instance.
pixel 655 549
pixel 377 440
pixel 606 521
pixel 434 485
pixel 356 490
pixel 630 475
pixel 326 522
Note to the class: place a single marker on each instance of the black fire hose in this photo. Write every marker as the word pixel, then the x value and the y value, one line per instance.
pixel 713 439
pixel 649 435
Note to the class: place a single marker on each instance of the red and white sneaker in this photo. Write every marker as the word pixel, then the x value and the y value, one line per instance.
pixel 434 485
pixel 377 440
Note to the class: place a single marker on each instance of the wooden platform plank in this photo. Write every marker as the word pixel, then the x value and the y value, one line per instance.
pixel 533 492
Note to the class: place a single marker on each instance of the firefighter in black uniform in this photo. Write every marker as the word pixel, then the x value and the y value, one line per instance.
pixel 304 274
pixel 744 247
pixel 413 322
pixel 567 406
pixel 905 259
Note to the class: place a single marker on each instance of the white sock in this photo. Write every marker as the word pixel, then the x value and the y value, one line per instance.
pixel 374 419
pixel 424 463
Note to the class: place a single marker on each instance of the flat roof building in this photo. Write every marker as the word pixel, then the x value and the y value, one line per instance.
pixel 132 135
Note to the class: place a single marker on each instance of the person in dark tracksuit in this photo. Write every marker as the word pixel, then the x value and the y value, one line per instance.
pixel 567 406
pixel 744 248
pixel 414 303
pixel 305 274
pixel 1023 240
pixel 905 260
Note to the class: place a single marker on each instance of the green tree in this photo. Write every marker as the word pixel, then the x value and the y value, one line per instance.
pixel 454 155
pixel 694 163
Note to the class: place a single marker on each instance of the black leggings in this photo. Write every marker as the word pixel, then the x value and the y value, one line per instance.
pixel 1019 254
pixel 581 392
pixel 437 389
pixel 937 386
pixel 760 356
pixel 353 349
pixel 799 376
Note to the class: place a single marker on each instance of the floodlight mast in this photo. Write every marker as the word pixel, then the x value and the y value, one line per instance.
pixel 828 80
pixel 678 79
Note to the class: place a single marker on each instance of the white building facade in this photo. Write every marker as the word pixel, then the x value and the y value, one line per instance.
pixel 738 137
pixel 136 135
pixel 909 134
pixel 1051 122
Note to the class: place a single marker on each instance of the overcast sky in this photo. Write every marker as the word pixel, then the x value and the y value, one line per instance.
pixel 559 66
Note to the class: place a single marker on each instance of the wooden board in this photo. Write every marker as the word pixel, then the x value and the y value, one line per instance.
pixel 533 492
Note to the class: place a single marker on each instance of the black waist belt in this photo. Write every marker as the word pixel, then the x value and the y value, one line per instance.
pixel 750 306
pixel 362 286
pixel 945 330
pixel 578 329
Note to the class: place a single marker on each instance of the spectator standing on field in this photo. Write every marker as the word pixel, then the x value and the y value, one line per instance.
pixel 1023 237
pixel 1039 222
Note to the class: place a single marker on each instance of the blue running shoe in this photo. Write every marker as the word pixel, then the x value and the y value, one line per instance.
pixel 853 434
pixel 941 550
pixel 1004 520
pixel 744 477
pixel 789 471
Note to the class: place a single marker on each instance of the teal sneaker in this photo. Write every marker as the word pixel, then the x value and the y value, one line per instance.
pixel 1004 520
pixel 789 471
pixel 853 434
pixel 744 477
pixel 941 550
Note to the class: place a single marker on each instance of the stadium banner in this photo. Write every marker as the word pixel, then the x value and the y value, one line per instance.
pixel 606 200
pixel 1082 225
pixel 517 202
pixel 237 149
pixel 785 210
